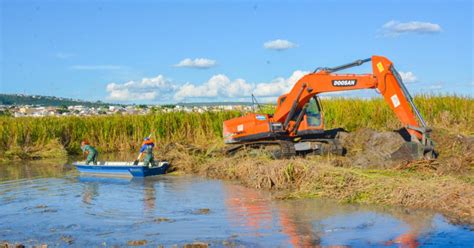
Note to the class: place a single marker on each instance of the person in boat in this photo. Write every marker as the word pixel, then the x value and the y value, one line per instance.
pixel 90 151
pixel 147 151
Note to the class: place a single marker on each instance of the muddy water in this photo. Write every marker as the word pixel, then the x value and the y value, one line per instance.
pixel 51 204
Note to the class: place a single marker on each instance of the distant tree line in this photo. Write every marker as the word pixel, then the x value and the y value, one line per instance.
pixel 7 99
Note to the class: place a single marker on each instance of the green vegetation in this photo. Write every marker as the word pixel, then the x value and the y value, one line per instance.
pixel 450 112
pixel 7 99
pixel 108 133
pixel 122 133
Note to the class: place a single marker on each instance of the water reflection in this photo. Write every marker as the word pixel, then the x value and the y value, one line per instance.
pixel 167 210
pixel 314 223
pixel 32 169
pixel 149 198
pixel 90 193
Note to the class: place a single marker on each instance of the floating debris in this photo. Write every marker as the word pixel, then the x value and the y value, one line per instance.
pixel 196 245
pixel 137 242
pixel 162 219
pixel 68 239
pixel 202 211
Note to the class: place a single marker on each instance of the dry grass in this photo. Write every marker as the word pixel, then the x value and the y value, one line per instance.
pixel 449 194
pixel 445 185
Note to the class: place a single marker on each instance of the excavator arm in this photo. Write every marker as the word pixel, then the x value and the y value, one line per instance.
pixel 385 79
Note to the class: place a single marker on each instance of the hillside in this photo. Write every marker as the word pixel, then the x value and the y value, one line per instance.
pixel 20 99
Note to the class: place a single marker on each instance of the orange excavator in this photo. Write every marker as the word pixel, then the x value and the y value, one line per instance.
pixel 297 125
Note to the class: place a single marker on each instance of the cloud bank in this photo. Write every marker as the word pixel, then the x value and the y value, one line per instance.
pixel 218 87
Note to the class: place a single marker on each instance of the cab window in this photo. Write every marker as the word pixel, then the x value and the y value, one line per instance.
pixel 313 113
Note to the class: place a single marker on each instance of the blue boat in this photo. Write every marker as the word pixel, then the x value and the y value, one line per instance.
pixel 122 169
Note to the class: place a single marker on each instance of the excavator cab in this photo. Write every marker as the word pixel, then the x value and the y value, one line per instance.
pixel 312 118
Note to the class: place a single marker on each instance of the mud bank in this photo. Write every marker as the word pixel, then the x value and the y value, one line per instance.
pixel 365 175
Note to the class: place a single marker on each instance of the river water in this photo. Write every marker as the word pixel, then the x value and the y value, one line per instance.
pixel 48 203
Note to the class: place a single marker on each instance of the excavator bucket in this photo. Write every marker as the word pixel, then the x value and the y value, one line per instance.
pixel 413 151
pixel 416 149
pixel 408 151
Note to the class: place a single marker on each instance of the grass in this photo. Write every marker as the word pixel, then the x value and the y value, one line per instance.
pixel 109 133
pixel 121 133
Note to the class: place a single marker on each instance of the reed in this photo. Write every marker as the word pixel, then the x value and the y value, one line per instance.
pixel 448 112
pixel 442 111
pixel 120 133
pixel 111 133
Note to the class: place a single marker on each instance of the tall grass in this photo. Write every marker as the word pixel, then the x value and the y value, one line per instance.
pixel 449 112
pixel 113 133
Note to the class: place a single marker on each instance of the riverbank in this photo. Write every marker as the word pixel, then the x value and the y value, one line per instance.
pixel 445 185
pixel 192 142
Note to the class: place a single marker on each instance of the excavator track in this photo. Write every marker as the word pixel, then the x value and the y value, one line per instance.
pixel 285 149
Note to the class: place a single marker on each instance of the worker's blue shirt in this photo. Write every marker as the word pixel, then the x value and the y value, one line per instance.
pixel 147 146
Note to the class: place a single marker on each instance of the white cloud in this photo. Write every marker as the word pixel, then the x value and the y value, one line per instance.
pixel 279 45
pixel 219 86
pixel 96 67
pixel 146 89
pixel 200 63
pixel 278 85
pixel 408 77
pixel 396 28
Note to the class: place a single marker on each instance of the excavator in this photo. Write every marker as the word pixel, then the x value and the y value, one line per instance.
pixel 297 125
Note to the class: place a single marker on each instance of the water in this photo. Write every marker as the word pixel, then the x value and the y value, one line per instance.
pixel 50 204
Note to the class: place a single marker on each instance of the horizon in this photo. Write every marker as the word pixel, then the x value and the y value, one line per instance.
pixel 324 97
pixel 171 52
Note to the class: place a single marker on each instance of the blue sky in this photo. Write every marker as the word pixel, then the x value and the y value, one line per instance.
pixel 172 51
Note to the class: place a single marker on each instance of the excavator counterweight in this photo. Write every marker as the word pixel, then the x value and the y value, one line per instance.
pixel 297 125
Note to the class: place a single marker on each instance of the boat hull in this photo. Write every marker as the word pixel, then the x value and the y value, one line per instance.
pixel 123 169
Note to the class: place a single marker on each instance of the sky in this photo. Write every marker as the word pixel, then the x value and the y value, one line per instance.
pixel 194 51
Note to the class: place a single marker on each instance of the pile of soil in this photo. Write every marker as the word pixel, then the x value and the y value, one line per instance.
pixel 367 148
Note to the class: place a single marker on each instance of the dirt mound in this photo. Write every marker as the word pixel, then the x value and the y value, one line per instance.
pixel 369 148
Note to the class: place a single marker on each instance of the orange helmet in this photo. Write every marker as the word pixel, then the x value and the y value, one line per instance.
pixel 148 141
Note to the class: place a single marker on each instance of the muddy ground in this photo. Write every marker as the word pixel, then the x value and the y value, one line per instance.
pixel 368 173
